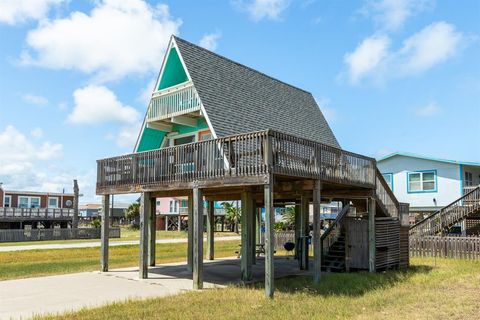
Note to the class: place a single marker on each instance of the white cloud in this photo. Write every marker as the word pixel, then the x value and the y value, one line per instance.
pixel 117 38
pixel 35 99
pixel 265 9
pixel 430 46
pixel 146 93
pixel 13 12
pixel 36 132
pixel 367 57
pixel 392 14
pixel 97 104
pixel 210 41
pixel 420 52
pixel 329 113
pixel 127 136
pixel 22 153
pixel 429 110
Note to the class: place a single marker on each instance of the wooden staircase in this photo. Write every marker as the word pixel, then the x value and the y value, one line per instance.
pixel 334 259
pixel 442 220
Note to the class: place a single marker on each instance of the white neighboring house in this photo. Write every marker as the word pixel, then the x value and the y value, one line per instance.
pixel 428 183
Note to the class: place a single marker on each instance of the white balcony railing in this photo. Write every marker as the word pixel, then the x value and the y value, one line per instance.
pixel 173 102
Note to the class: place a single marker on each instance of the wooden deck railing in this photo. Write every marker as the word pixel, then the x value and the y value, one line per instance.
pixel 385 196
pixel 235 156
pixel 34 213
pixel 449 215
pixel 167 103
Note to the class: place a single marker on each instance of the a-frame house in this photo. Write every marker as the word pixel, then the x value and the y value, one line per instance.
pixel 218 130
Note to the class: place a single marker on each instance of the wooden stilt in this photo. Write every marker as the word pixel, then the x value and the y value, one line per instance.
pixel 197 239
pixel 317 248
pixel 253 231
pixel 371 235
pixel 190 234
pixel 269 245
pixel 105 232
pixel 152 233
pixel 298 209
pixel 145 212
pixel 246 256
pixel 210 230
pixel 304 213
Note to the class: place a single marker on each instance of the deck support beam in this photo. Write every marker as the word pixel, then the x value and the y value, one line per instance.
pixel 145 212
pixel 105 233
pixel 269 245
pixel 197 239
pixel 190 234
pixel 253 230
pixel 246 250
pixel 210 230
pixel 152 233
pixel 298 209
pixel 304 217
pixel 317 247
pixel 371 234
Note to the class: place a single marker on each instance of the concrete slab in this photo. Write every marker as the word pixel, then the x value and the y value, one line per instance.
pixel 55 294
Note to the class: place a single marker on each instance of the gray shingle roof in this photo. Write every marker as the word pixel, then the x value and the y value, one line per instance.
pixel 238 99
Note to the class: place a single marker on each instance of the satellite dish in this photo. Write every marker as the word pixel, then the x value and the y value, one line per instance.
pixel 69 203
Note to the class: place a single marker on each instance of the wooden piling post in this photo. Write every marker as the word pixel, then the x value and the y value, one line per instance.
pixel 197 239
pixel 210 230
pixel 246 254
pixel 317 249
pixel 269 245
pixel 298 209
pixel 371 235
pixel 152 233
pixel 145 211
pixel 104 233
pixel 304 217
pixel 190 234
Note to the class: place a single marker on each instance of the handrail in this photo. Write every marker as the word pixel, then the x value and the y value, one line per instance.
pixel 236 155
pixel 385 195
pixel 174 103
pixel 339 217
pixel 440 219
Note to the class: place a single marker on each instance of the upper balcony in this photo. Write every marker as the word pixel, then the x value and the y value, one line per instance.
pixel 173 102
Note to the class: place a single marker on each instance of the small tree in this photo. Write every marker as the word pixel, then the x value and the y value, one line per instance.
pixel 289 218
pixel 133 213
pixel 233 214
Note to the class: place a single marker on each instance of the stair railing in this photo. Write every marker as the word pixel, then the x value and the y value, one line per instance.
pixel 331 235
pixel 385 196
pixel 448 215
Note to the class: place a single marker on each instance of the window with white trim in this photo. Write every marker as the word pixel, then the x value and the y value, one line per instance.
pixel 173 206
pixel 53 202
pixel 7 203
pixel 389 179
pixel 28 202
pixel 424 181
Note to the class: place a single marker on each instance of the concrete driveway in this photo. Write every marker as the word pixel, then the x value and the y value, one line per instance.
pixel 53 294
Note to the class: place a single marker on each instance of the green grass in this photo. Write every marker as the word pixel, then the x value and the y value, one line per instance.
pixel 125 235
pixel 445 289
pixel 34 263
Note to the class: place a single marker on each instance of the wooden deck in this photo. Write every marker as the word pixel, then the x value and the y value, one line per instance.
pixel 26 214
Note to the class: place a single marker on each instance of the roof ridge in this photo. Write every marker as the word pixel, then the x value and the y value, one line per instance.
pixel 241 65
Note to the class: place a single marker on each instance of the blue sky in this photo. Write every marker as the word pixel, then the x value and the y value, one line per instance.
pixel 390 75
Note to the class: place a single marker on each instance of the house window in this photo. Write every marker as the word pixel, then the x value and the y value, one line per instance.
pixel 424 181
pixel 173 206
pixel 468 179
pixel 183 140
pixel 389 179
pixel 28 202
pixel 8 202
pixel 53 202
pixel 205 135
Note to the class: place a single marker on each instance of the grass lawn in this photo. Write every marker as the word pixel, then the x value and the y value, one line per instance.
pixel 34 263
pixel 447 289
pixel 125 235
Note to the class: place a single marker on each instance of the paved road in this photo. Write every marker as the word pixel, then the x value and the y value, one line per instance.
pixel 97 244
pixel 23 298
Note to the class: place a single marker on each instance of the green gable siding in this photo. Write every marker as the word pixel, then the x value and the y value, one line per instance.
pixel 173 73
pixel 151 139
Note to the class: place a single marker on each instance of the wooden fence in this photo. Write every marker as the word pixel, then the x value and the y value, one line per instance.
pixel 447 247
pixel 19 235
